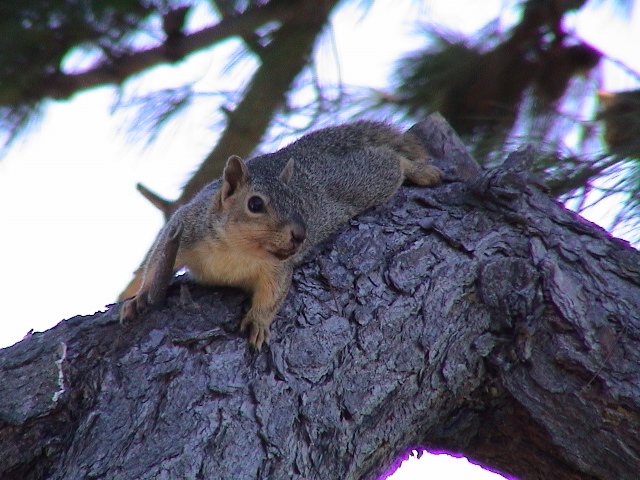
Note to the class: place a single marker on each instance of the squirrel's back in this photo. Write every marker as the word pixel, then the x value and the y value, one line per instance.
pixel 322 146
pixel 340 171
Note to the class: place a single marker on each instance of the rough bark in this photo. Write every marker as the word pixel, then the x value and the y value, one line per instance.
pixel 479 317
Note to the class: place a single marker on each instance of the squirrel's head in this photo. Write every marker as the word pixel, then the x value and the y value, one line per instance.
pixel 259 212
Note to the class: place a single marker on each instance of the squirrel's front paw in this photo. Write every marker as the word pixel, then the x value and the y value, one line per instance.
pixel 132 308
pixel 258 332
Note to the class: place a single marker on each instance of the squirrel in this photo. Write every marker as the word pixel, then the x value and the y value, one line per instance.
pixel 250 228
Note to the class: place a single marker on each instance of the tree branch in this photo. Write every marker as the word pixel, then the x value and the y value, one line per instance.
pixel 115 71
pixel 581 177
pixel 482 319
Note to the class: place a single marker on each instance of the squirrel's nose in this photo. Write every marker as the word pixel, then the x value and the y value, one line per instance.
pixel 298 234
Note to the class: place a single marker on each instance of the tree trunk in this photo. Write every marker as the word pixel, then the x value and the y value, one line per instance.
pixel 480 318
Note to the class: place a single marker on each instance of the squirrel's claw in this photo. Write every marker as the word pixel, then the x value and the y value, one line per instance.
pixel 128 311
pixel 258 334
pixel 133 308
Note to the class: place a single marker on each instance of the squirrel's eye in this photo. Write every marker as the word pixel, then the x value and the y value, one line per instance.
pixel 255 204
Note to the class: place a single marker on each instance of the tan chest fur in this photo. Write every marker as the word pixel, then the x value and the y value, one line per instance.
pixel 233 265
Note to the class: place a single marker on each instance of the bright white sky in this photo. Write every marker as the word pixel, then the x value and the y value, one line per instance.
pixel 75 227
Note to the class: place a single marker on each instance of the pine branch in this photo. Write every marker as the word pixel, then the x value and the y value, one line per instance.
pixel 60 86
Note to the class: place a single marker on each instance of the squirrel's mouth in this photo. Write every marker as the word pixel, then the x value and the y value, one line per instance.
pixel 284 253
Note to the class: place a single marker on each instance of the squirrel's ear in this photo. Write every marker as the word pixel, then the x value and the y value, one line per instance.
pixel 287 171
pixel 235 175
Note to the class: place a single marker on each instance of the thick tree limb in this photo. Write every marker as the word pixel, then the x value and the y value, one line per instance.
pixel 479 318
pixel 446 149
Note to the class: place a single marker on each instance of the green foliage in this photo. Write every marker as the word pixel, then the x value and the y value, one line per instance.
pixel 629 186
pixel 157 109
pixel 433 79
pixel 532 83
pixel 485 87
pixel 38 34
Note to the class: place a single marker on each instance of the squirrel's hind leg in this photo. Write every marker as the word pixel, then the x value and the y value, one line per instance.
pixel 134 284
pixel 420 172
